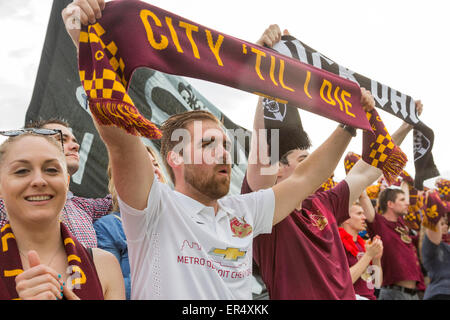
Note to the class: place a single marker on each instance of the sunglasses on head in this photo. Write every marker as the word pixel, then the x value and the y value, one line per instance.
pixel 41 131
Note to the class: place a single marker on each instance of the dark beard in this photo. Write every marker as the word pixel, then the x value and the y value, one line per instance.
pixel 206 185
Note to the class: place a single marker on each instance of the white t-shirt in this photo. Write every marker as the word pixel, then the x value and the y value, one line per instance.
pixel 179 249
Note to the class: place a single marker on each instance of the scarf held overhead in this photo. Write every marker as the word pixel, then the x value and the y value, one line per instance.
pixel 133 34
pixel 390 100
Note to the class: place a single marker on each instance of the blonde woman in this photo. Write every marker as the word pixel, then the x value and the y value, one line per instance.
pixel 39 257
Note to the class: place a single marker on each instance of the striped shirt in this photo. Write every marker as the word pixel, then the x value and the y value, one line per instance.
pixel 78 215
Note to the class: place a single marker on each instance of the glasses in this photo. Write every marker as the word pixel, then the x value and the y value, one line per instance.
pixel 41 131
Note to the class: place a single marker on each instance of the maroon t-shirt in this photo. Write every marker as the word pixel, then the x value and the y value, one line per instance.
pixel 303 258
pixel 399 261
pixel 361 287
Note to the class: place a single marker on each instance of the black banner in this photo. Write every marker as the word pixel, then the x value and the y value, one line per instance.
pixel 386 98
pixel 58 93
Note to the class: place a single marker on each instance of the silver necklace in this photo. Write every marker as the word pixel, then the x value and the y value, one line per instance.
pixel 51 260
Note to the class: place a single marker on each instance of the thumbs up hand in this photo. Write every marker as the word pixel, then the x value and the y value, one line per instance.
pixel 39 282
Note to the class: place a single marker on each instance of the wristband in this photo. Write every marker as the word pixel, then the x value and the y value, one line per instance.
pixel 349 129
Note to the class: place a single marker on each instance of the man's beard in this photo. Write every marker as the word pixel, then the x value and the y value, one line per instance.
pixel 211 186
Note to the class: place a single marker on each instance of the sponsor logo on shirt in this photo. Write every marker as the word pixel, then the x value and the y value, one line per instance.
pixel 232 254
pixel 240 228
pixel 318 220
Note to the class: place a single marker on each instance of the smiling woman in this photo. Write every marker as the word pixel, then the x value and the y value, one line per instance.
pixel 39 256
pixel 36 169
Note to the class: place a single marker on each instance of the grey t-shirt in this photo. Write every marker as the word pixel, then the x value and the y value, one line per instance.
pixel 436 260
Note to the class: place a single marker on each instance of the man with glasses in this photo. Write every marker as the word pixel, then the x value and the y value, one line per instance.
pixel 79 213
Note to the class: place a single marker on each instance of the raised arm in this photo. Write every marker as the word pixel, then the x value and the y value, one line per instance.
pixel 132 169
pixel 366 204
pixel 363 175
pixel 261 174
pixel 358 179
pixel 309 174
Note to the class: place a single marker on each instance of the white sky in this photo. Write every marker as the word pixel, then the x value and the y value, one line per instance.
pixel 403 44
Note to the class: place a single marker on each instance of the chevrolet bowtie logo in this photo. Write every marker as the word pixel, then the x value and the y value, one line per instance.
pixel 228 253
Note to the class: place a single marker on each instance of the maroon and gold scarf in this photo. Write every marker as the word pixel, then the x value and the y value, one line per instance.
pixel 83 274
pixel 349 244
pixel 413 218
pixel 327 185
pixel 379 150
pixel 349 161
pixel 443 186
pixel 434 209
pixel 133 34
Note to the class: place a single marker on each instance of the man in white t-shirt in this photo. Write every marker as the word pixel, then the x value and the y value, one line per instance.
pixel 195 242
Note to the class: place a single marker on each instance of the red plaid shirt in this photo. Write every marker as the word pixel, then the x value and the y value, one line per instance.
pixel 78 215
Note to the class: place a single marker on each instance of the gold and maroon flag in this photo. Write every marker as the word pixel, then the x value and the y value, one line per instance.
pixel 443 186
pixel 133 34
pixel 379 150
pixel 349 161
pixel 434 209
pixel 327 185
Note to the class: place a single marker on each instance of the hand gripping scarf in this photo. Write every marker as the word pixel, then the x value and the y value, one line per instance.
pixel 133 34
pixel 379 150
pixel 434 209
pixel 83 274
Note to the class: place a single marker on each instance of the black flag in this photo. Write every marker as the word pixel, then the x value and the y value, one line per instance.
pixel 58 93
pixel 386 98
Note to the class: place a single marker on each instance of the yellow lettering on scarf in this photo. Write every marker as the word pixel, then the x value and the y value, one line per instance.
pixel 12 273
pixel 346 103
pixel 215 48
pixel 305 87
pixel 272 70
pixel 336 91
pixel 77 280
pixel 6 226
pixel 68 240
pixel 5 238
pixel 281 77
pixel 327 85
pixel 73 257
pixel 144 14
pixel 173 34
pixel 189 28
pixel 259 54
